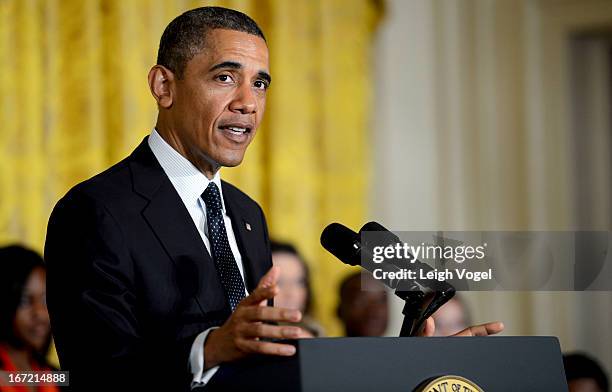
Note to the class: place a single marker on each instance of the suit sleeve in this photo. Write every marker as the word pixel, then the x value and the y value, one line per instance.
pixel 91 295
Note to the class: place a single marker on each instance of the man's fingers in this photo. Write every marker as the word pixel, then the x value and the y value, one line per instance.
pixel 268 313
pixel 260 295
pixel 261 330
pixel 262 347
pixel 483 329
pixel 430 328
pixel 270 278
pixel 266 288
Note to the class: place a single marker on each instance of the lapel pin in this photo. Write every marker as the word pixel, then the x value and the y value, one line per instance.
pixel 248 226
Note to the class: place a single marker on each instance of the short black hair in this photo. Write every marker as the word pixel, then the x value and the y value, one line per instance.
pixel 346 281
pixel 185 36
pixel 344 285
pixel 579 365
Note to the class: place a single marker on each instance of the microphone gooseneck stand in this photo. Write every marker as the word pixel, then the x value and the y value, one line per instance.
pixel 419 306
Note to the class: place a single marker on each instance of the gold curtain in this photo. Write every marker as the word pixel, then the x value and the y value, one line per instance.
pixel 74 100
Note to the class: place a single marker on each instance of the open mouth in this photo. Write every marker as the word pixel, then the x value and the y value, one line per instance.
pixel 236 132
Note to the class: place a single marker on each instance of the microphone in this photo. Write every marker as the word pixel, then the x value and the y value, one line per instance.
pixel 422 297
pixel 342 242
pixel 346 245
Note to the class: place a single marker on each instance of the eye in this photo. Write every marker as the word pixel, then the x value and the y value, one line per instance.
pixel 261 84
pixel 225 78
pixel 25 301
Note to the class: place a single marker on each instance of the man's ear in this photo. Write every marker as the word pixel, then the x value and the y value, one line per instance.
pixel 161 83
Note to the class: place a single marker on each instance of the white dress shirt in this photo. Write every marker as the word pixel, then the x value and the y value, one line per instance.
pixel 190 183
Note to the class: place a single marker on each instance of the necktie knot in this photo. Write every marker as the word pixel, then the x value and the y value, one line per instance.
pixel 212 199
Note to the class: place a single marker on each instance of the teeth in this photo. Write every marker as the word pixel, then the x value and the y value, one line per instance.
pixel 236 129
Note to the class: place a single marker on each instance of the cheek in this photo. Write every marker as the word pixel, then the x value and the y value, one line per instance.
pixel 300 293
pixel 20 323
pixel 214 102
pixel 261 108
pixel 201 109
pixel 281 299
pixel 292 292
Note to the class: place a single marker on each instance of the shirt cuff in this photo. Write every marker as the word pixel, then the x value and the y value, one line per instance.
pixel 196 361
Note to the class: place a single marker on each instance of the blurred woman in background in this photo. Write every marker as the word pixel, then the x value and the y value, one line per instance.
pixel 25 332
pixel 294 285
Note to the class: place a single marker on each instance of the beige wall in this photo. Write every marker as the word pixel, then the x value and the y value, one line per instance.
pixel 472 130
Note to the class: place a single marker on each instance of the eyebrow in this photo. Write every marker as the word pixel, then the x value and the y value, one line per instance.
pixel 234 65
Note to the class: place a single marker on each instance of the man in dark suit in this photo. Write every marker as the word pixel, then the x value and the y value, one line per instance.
pixel 158 271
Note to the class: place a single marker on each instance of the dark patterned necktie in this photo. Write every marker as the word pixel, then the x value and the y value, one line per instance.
pixel 220 247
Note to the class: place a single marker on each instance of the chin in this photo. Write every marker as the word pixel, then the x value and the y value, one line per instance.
pixel 36 345
pixel 232 164
pixel 231 160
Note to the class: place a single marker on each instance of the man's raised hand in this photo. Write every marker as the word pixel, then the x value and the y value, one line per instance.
pixel 241 334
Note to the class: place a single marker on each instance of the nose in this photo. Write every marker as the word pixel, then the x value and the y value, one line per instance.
pixel 39 310
pixel 244 101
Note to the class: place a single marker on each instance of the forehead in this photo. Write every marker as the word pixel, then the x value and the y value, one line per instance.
pixel 222 45
pixel 36 279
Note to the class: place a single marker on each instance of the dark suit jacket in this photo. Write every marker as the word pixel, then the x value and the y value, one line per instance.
pixel 130 283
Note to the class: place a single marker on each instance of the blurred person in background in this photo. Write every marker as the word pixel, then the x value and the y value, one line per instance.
pixel 584 374
pixel 294 284
pixel 452 317
pixel 25 332
pixel 363 308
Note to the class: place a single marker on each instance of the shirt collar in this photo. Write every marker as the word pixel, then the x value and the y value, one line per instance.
pixel 188 181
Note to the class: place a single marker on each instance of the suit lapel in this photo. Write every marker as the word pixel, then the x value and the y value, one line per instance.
pixel 169 219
